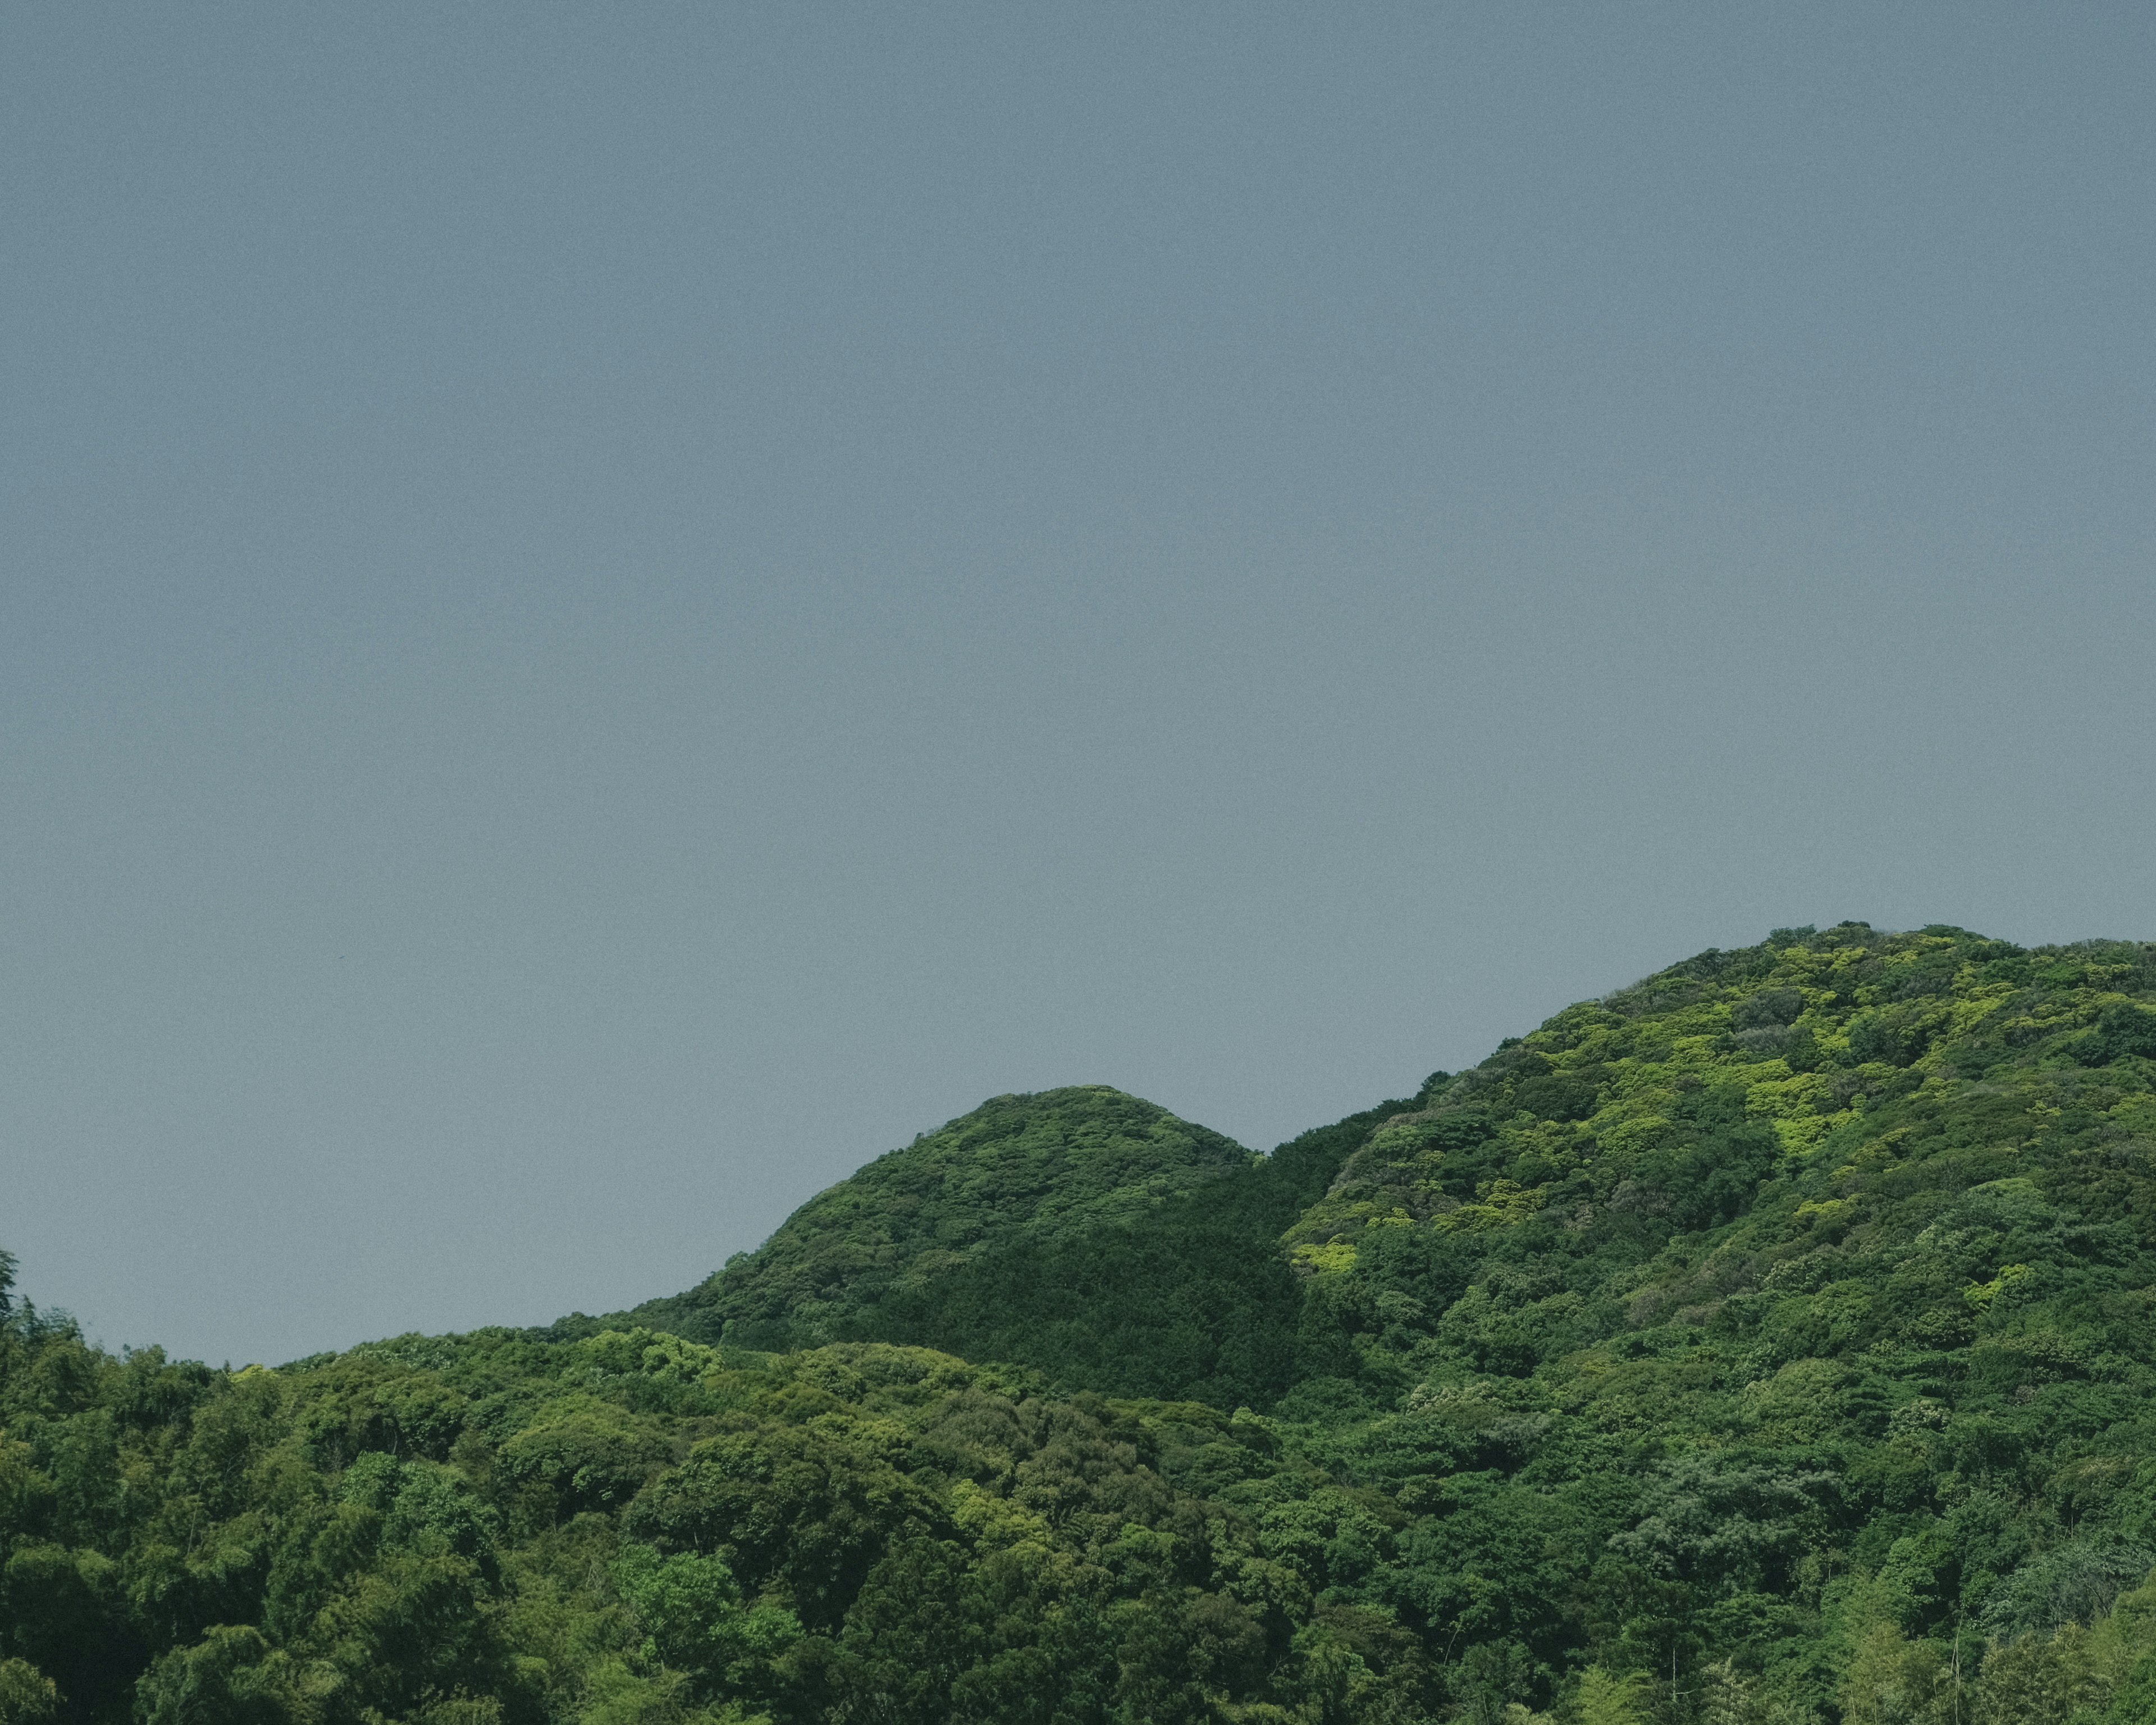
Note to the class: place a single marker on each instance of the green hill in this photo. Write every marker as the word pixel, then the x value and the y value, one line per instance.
pixel 1772 1341
pixel 1019 1172
pixel 1082 1231
pixel 1192 1301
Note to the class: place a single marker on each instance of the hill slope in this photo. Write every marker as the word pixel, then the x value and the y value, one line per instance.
pixel 1024 1171
pixel 1082 1231
pixel 1792 1308
pixel 1194 1300
pixel 1841 1099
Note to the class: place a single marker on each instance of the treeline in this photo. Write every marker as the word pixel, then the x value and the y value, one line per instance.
pixel 633 1529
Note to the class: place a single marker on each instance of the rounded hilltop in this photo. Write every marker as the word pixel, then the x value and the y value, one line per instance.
pixel 1041 1167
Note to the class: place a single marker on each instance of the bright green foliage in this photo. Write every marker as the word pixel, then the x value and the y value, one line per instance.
pixel 27 1696
pixel 1796 1296
pixel 1607 1699
pixel 1771 1343
pixel 695 1620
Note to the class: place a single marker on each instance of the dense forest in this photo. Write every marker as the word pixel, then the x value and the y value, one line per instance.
pixel 1771 1342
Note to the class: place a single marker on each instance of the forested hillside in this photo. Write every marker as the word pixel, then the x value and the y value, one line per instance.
pixel 1771 1341
pixel 1081 1230
pixel 1020 1173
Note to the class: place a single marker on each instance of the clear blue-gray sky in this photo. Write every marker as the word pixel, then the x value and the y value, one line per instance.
pixel 611 610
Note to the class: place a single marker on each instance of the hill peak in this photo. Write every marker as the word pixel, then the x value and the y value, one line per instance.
pixel 1040 1166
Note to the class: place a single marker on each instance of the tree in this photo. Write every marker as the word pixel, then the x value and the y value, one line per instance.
pixel 27 1696
pixel 1608 1698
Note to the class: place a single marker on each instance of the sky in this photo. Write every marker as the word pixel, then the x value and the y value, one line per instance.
pixel 606 611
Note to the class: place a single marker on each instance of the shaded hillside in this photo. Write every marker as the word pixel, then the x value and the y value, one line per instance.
pixel 1195 1300
pixel 1019 1170
pixel 1171 1283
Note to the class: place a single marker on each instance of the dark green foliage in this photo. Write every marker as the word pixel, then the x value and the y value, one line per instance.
pixel 1170 1284
pixel 1195 1312
pixel 2123 1031
pixel 1019 1172
pixel 1193 1301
